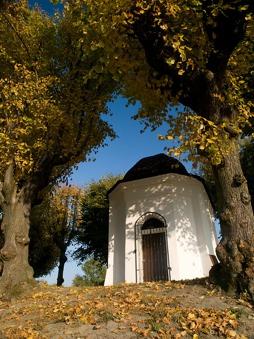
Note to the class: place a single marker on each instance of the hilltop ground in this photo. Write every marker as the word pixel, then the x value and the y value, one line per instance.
pixel 153 310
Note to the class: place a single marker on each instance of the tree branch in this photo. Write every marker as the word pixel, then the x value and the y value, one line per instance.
pixel 224 31
pixel 17 34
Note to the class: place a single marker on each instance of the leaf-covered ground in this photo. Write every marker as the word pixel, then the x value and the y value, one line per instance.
pixel 153 310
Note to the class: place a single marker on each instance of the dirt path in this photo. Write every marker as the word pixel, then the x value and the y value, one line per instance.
pixel 153 310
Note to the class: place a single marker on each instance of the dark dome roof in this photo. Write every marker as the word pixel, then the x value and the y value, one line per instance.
pixel 154 165
pixel 151 166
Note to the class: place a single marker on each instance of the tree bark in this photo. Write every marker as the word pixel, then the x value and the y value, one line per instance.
pixel 235 272
pixel 15 226
pixel 62 261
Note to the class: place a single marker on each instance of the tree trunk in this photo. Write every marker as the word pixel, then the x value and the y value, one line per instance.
pixel 15 226
pixel 62 261
pixel 235 251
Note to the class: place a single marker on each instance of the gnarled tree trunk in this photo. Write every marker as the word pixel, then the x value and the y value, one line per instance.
pixel 16 207
pixel 236 248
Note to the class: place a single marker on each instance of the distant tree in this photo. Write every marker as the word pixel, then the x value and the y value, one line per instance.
pixel 60 218
pixel 94 274
pixel 43 251
pixel 93 229
pixel 52 97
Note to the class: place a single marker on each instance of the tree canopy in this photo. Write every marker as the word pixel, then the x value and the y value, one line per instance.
pixel 49 110
pixel 94 274
pixel 54 226
pixel 51 105
pixel 63 217
pixel 196 54
pixel 43 252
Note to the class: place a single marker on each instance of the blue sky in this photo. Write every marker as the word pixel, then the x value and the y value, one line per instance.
pixel 124 151
pixel 45 5
pixel 120 154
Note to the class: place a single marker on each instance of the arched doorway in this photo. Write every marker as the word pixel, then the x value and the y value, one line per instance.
pixel 152 237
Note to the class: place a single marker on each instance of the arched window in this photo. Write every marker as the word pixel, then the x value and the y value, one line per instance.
pixel 153 225
pixel 150 221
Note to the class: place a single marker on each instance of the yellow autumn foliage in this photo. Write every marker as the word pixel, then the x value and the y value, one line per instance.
pixel 161 50
pixel 49 113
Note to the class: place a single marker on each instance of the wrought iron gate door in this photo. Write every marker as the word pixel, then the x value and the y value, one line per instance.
pixel 154 256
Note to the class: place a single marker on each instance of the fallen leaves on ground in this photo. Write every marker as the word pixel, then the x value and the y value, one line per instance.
pixel 154 310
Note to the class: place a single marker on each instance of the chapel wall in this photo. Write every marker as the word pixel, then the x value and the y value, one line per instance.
pixel 183 202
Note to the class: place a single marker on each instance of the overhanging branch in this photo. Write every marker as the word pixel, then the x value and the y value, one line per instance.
pixel 224 30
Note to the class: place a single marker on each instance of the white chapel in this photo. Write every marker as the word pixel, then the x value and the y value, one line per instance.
pixel 161 224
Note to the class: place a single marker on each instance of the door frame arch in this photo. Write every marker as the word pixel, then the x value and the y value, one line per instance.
pixel 138 243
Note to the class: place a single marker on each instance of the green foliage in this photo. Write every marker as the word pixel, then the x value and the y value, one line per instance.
pixel 93 230
pixel 94 274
